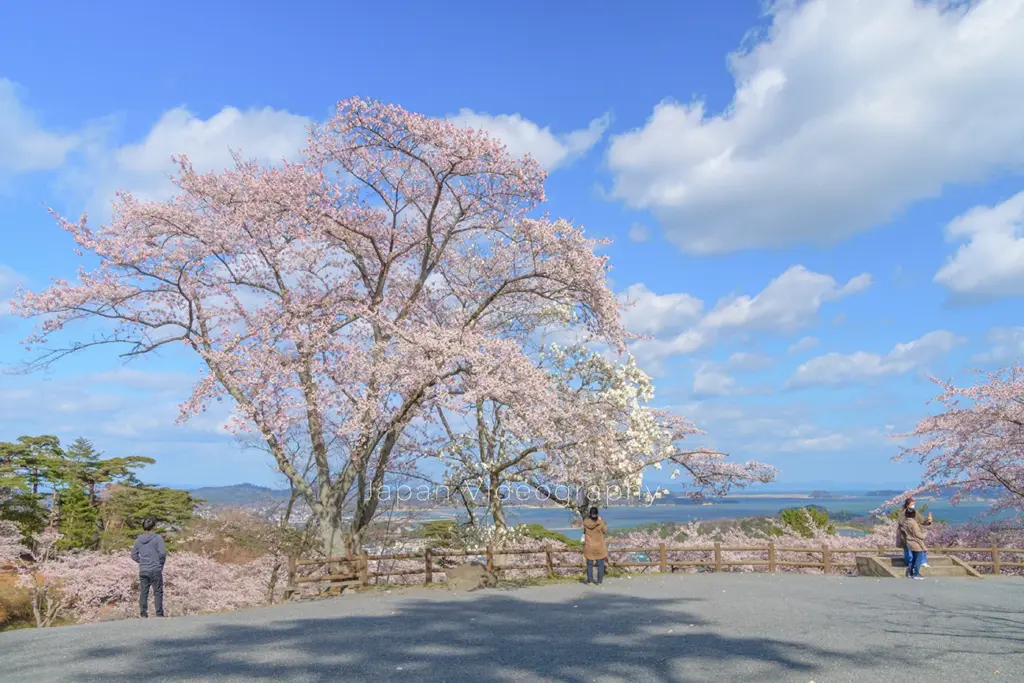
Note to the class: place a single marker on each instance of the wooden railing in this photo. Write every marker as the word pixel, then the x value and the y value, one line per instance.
pixel 356 571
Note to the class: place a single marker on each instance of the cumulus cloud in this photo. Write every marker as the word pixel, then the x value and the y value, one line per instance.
pixel 839 368
pixel 788 303
pixel 179 383
pixel 710 380
pixel 122 403
pixel 10 280
pixel 1007 346
pixel 773 428
pixel 143 167
pixel 991 263
pixel 638 232
pixel 650 313
pixel 25 144
pixel 90 166
pixel 522 136
pixel 844 113
pixel 803 344
pixel 832 441
pixel 715 379
pixel 744 361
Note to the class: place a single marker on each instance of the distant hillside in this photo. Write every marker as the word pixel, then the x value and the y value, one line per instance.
pixel 239 494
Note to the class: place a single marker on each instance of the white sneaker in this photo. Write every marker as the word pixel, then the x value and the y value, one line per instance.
pixel 925 564
pixel 919 578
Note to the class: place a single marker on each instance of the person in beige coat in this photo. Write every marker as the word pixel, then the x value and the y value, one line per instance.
pixel 913 533
pixel 901 541
pixel 595 550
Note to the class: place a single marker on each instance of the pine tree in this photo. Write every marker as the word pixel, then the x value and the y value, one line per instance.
pixel 124 508
pixel 88 468
pixel 79 520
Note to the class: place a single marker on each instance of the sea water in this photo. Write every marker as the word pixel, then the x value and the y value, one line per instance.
pixel 558 519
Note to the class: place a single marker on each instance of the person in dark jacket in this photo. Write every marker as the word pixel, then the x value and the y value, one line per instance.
pixel 150 553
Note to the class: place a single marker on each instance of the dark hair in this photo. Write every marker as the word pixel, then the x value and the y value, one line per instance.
pixel 592 513
pixel 148 523
pixel 907 502
pixel 911 513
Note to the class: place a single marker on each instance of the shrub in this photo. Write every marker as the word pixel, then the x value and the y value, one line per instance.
pixel 804 521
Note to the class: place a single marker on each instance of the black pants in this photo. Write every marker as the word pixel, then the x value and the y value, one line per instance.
pixel 154 578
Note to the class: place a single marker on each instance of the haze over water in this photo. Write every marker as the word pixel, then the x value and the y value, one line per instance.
pixel 627 517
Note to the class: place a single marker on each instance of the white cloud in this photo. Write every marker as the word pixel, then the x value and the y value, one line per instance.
pixel 743 361
pixel 650 353
pixel 788 303
pixel 714 379
pixel 803 344
pixel 147 380
pixel 25 145
pixel 266 135
pixel 522 136
pixel 1007 346
pixel 773 428
pixel 98 404
pixel 638 232
pixel 650 313
pixel 832 441
pixel 991 264
pixel 10 280
pixel 838 368
pixel 844 113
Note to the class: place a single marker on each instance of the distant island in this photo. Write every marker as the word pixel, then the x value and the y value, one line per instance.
pixel 238 494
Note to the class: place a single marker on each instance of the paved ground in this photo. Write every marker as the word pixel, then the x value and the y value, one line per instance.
pixel 739 627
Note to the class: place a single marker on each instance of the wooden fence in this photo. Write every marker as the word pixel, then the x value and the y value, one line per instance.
pixel 354 571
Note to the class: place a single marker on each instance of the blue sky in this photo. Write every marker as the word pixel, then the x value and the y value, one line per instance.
pixel 813 205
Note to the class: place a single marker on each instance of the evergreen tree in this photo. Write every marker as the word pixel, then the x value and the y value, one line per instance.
pixel 94 473
pixel 79 520
pixel 27 467
pixel 124 508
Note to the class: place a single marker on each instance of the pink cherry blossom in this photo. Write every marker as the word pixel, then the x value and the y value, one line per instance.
pixel 338 300
pixel 976 444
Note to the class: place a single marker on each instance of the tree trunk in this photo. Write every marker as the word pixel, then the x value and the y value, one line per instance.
pixel 331 535
pixel 272 583
pixel 494 502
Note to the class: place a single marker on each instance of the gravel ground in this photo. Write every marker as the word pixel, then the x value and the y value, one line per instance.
pixel 707 627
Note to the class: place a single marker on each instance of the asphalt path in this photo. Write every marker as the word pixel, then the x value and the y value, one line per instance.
pixel 705 627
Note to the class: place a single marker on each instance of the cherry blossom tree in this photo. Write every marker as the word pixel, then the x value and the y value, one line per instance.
pixel 335 300
pixel 976 444
pixel 588 437
pixel 12 546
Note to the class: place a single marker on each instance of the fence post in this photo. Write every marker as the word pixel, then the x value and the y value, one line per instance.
pixel 551 563
pixel 490 558
pixel 289 589
pixel 996 569
pixel 771 557
pixel 428 570
pixel 826 560
pixel 718 557
pixel 662 559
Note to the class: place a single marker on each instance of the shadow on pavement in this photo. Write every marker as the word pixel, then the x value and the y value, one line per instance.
pixel 493 637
